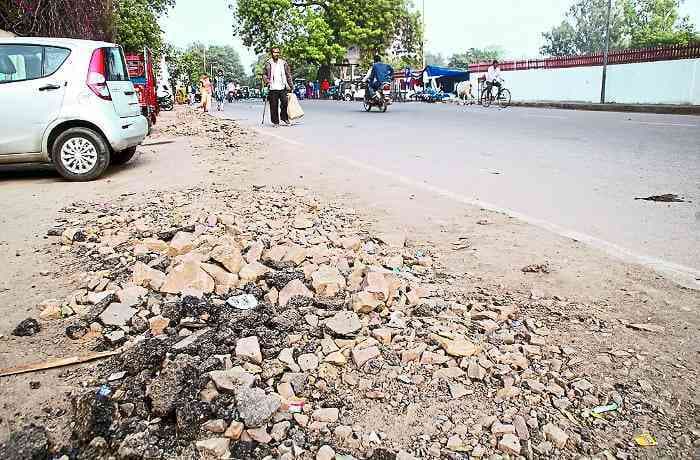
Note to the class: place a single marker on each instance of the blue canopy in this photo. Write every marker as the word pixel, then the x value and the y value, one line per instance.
pixel 448 72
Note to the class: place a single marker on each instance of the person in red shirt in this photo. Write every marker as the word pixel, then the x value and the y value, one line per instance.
pixel 325 86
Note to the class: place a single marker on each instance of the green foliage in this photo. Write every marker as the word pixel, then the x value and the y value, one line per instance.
pixel 474 55
pixel 656 22
pixel 319 31
pixel 188 65
pixel 136 25
pixel 633 24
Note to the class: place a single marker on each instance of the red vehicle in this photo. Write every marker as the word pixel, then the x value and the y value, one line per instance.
pixel 142 76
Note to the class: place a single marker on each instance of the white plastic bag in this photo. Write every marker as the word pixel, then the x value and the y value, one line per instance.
pixel 294 110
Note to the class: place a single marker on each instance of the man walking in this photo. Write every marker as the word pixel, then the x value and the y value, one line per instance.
pixel 278 79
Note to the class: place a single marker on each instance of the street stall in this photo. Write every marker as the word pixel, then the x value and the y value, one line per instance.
pixel 440 82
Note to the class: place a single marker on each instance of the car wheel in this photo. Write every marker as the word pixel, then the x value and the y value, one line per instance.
pixel 80 154
pixel 119 158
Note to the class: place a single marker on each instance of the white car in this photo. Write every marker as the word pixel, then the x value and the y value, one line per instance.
pixel 67 102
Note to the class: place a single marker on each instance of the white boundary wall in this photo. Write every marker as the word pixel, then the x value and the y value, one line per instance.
pixel 659 82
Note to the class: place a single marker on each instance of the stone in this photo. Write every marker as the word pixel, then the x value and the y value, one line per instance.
pixel 302 222
pixel 275 253
pixel 328 415
pixel 214 426
pixel 259 434
pixel 158 324
pixel 132 295
pixel 50 309
pixel 510 444
pixel 231 380
pixel 521 427
pixel 515 360
pixel 117 314
pixel 255 407
pixel 403 455
pixel 428 357
pixel 344 323
pixel 116 337
pixel 365 302
pixel 234 430
pixel 448 373
pixel 488 326
pixel 228 256
pixel 191 339
pixel 393 262
pixel 143 275
pixel 279 430
pixel 301 419
pixel 455 444
pixel 248 349
pixel 457 347
pixel 535 386
pixel 243 302
pixel 295 254
pixel 500 429
pixel 383 335
pixel 308 362
pixel 361 356
pixel 251 273
pixel 326 452
pixel 217 447
pixel 475 371
pixel 188 275
pixel 457 390
pixel 287 357
pixel 294 288
pixel 555 435
pixel 337 358
pixel 30 443
pixel 152 245
pixel 327 281
pixel 164 390
pixel 376 283
pixel 254 252
pixel 224 282
pixel 182 243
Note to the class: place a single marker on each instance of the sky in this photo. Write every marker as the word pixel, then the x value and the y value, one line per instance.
pixel 451 25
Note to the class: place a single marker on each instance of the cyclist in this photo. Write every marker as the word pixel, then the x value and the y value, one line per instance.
pixel 220 89
pixel 493 78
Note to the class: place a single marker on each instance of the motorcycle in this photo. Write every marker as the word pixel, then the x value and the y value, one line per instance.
pixel 380 99
pixel 229 96
pixel 165 102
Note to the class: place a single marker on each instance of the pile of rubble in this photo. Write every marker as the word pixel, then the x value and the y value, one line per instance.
pixel 265 324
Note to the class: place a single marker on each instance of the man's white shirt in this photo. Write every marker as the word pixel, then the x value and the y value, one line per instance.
pixel 493 74
pixel 278 80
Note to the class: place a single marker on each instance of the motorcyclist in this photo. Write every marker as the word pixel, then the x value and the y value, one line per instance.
pixel 378 74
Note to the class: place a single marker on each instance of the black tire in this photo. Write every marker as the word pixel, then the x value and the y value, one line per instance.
pixel 348 98
pixel 368 106
pixel 504 98
pixel 385 106
pixel 120 158
pixel 485 98
pixel 91 140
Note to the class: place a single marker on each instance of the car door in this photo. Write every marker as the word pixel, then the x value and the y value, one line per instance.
pixel 31 94
pixel 124 97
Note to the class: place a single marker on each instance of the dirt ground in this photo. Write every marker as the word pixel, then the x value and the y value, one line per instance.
pixel 593 297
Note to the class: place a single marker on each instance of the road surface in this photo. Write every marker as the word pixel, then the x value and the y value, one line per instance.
pixel 572 172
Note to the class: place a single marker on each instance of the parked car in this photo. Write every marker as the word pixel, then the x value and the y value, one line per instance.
pixel 67 102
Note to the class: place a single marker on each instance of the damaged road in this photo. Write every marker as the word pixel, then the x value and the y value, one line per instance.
pixel 268 322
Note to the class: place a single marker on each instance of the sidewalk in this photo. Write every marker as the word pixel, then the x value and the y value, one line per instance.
pixel 612 107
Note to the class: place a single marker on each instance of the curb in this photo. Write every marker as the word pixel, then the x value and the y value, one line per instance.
pixel 633 108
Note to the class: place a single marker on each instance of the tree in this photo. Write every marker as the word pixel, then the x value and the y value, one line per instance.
pixel 474 55
pixel 136 25
pixel 320 31
pixel 434 59
pixel 583 29
pixel 188 65
pixel 87 20
pixel 656 22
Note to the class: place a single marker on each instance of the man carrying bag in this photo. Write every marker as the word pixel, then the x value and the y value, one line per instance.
pixel 278 78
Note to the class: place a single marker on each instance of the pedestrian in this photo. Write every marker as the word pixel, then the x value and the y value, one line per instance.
pixel 278 78
pixel 325 86
pixel 309 90
pixel 206 89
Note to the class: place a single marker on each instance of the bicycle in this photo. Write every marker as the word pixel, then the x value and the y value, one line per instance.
pixel 502 98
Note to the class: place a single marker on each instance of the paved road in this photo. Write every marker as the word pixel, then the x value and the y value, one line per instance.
pixel 576 173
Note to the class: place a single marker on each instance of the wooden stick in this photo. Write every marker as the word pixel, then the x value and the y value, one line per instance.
pixel 55 362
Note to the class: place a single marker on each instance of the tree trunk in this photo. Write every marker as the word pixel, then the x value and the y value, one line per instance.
pixel 324 72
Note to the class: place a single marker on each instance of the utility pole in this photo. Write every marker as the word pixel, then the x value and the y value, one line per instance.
pixel 205 59
pixel 605 55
